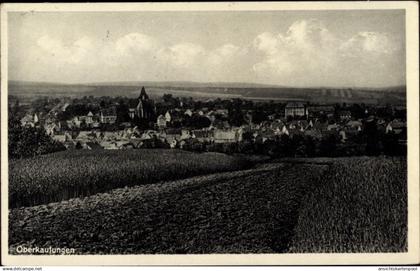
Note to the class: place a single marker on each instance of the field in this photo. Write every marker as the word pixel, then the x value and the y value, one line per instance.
pixel 359 206
pixel 392 95
pixel 354 204
pixel 64 175
pixel 235 212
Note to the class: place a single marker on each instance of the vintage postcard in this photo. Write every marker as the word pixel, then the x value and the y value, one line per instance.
pixel 210 133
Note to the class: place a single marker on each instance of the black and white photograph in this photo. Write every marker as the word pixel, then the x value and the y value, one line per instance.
pixel 192 131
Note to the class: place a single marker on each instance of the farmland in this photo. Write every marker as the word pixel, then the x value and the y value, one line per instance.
pixel 297 205
pixel 64 175
pixel 241 211
pixel 359 206
pixel 394 95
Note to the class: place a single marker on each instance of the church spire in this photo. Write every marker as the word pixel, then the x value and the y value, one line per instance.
pixel 143 95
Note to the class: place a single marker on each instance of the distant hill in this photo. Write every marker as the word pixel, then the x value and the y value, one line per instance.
pixel 392 95
pixel 185 84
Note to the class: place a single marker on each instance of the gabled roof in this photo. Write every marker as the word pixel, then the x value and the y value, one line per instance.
pixel 295 105
pixel 398 124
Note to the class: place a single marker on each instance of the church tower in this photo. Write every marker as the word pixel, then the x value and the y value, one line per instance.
pixel 143 95
pixel 145 108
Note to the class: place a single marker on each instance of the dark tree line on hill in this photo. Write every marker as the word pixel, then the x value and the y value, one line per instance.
pixel 370 142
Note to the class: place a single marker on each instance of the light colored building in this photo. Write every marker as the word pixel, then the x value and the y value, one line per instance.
pixel 295 109
pixel 108 115
pixel 161 122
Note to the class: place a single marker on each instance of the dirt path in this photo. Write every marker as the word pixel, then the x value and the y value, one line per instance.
pixel 246 211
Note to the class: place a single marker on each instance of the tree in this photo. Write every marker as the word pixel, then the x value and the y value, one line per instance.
pixel 236 117
pixel 29 141
pixel 328 146
pixel 122 112
pixel 371 137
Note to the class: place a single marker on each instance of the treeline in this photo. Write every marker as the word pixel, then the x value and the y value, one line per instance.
pixel 306 146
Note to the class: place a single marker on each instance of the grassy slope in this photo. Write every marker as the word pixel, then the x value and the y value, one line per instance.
pixel 69 174
pixel 359 206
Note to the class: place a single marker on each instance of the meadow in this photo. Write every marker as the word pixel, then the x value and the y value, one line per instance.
pixel 64 175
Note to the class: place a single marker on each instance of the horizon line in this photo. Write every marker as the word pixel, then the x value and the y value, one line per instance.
pixel 207 82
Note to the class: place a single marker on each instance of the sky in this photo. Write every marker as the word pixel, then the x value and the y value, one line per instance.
pixel 357 48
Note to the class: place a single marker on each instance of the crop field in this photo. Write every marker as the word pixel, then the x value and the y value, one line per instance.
pixel 303 205
pixel 359 206
pixel 236 212
pixel 64 175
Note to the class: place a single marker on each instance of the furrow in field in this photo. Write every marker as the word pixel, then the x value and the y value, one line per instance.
pixel 242 211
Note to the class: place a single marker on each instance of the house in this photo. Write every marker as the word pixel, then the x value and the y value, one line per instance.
pixel 354 125
pixel 127 146
pixel 344 115
pixel 51 128
pixel 149 134
pixel 29 120
pixel 272 117
pixel 222 112
pixel 396 127
pixel 89 119
pixel 173 143
pixel 168 117
pixel 108 115
pixel 332 127
pixel 319 110
pixel 125 125
pixel 75 121
pixel 313 133
pixel 220 124
pixel 161 122
pixel 342 135
pixel 64 107
pixel 174 116
pixel 310 125
pixel 109 145
pixel 277 125
pixel 227 136
pixel 172 134
pixel 185 134
pixel 320 126
pixel 85 136
pixel 203 135
pixel 295 109
pixel 59 138
pixel 188 112
pixel 298 125
pixel 203 111
pixel 93 146
pixel 284 131
pixel 132 113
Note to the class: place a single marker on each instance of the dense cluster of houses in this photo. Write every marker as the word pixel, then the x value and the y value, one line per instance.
pixel 298 119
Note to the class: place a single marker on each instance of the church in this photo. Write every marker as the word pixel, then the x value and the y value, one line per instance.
pixel 145 109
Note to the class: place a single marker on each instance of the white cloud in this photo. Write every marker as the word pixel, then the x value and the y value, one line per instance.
pixel 135 43
pixel 368 42
pixel 308 53
pixel 75 52
pixel 182 55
